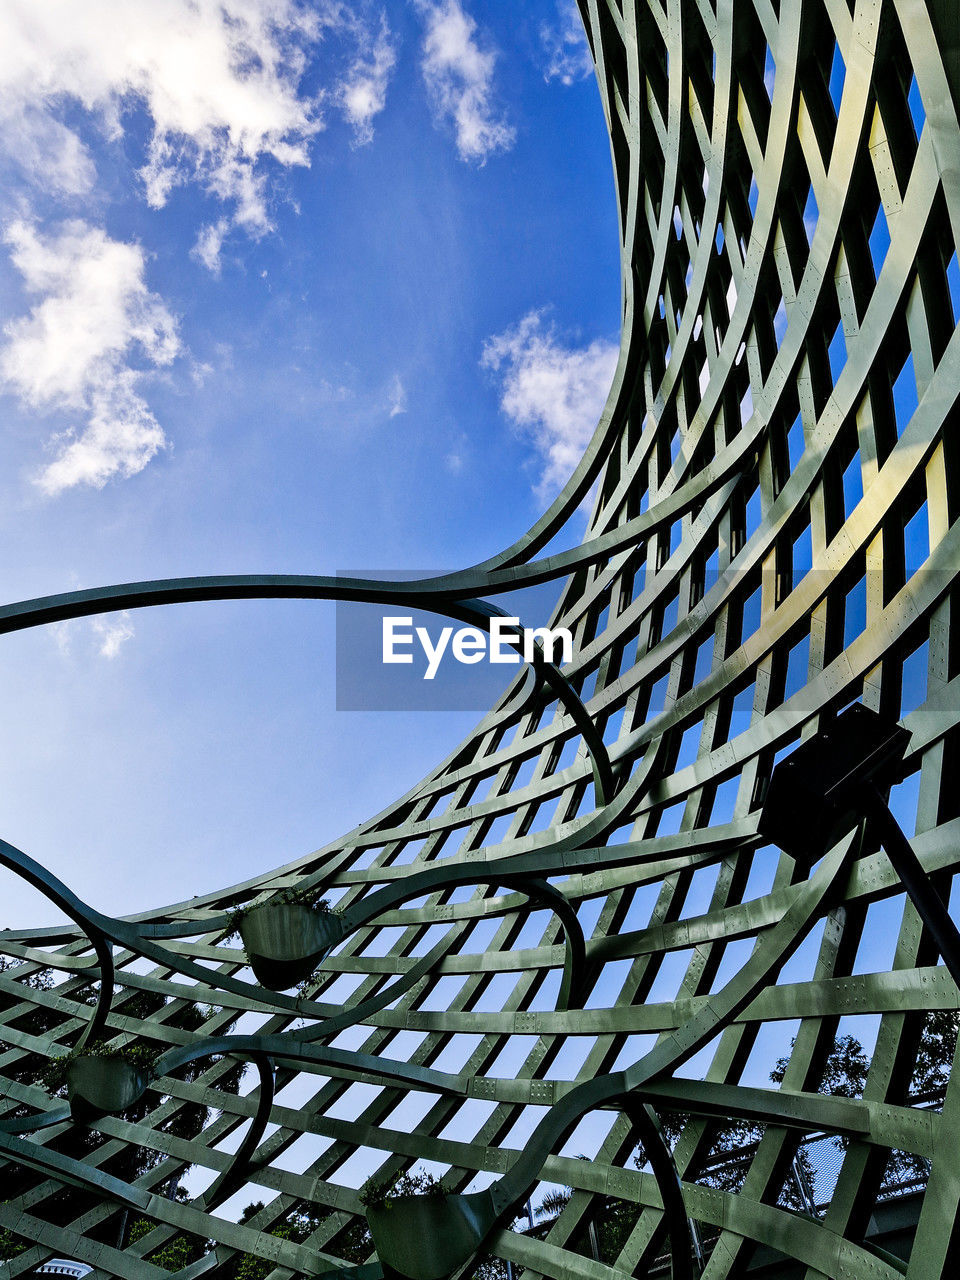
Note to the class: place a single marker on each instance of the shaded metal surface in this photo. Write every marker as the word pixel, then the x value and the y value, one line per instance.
pixel 577 905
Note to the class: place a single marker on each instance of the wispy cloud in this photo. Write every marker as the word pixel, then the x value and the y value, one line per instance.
pixel 209 243
pixel 398 396
pixel 113 632
pixel 459 77
pixel 42 148
pixel 109 634
pixel 362 93
pixel 565 44
pixel 218 79
pixel 552 390
pixel 74 351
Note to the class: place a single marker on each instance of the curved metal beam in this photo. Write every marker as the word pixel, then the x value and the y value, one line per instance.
pixel 232 1177
pixel 58 893
pixel 572 991
pixel 141 595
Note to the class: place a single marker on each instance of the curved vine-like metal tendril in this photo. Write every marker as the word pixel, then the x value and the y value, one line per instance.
pixel 58 893
pixel 140 595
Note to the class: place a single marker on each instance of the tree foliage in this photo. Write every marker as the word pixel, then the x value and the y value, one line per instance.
pixel 176 1253
pixel 11 1244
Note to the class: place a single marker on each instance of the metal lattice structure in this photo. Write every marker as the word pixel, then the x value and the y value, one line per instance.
pixel 774 535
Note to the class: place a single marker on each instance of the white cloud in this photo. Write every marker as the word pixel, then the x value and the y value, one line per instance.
pixel 42 146
pixel 362 93
pixel 113 632
pixel 62 633
pixel 73 351
pixel 459 77
pixel 219 80
pixel 398 396
pixel 554 391
pixel 108 633
pixel 209 243
pixel 200 371
pixel 565 44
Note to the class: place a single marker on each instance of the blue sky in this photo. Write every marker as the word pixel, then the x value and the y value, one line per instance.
pixel 285 288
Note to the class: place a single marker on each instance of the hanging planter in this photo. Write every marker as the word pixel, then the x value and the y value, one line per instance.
pixel 425 1236
pixel 285 940
pixel 103 1085
pixel 102 1079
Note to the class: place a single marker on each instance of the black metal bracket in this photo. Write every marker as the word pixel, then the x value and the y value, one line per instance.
pixel 835 780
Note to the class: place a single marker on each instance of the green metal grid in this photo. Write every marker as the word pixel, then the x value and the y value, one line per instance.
pixel 762 345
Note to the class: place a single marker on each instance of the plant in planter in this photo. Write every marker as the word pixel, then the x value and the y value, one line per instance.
pixel 422 1230
pixel 284 939
pixel 101 1078
pixel 384 1194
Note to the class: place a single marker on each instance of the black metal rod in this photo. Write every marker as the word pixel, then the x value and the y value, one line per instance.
pixel 235 1173
pixel 477 612
pixel 646 1125
pixel 931 907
